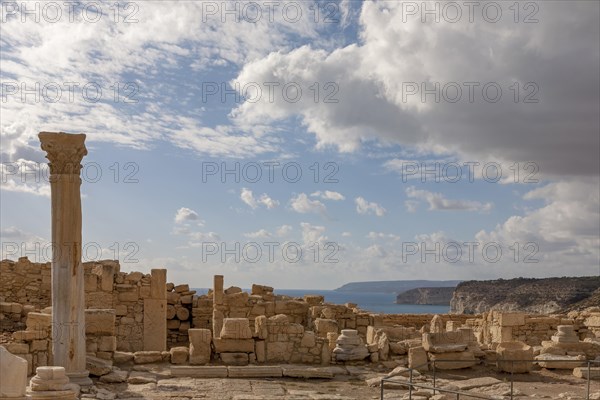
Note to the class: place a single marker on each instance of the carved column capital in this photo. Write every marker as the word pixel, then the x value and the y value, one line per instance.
pixel 64 151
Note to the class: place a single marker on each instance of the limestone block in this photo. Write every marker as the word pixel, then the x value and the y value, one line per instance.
pixel 553 361
pixel 260 290
pixel 17 348
pixel 584 372
pixel 417 358
pixel 173 297
pixel 200 350
pixel 27 336
pixel 97 366
pixel 236 328
pixel 350 347
pixel 155 325
pixel 121 357
pixel 437 325
pixel 182 313
pixel 592 321
pixel 187 299
pixel 458 360
pixel 234 358
pixel 179 355
pixel 173 324
pixel 171 311
pixel 325 326
pixel 260 349
pixel 514 351
pixel 38 345
pixel 444 342
pixel 233 345
pixel 106 274
pixel 116 376
pixel 260 327
pixel 38 321
pixel 13 373
pixel 182 288
pixel 100 322
pixel 511 318
pixel 121 310
pixel 107 343
pixel 279 351
pixel 308 339
pixel 158 284
pixel 129 295
pixel 233 290
pixel 147 357
pixel 314 300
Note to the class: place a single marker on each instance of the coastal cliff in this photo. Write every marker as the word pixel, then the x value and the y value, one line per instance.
pixel 427 296
pixel 393 286
pixel 540 296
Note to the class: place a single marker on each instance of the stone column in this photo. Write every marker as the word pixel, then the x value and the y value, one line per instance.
pixel 65 152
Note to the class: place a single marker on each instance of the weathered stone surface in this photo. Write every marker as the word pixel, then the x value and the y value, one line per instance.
pixel 147 357
pixel 121 357
pixel 350 347
pixel 473 383
pixel 553 361
pixel 107 343
pixel 13 374
pixel 307 372
pixel 260 290
pixel 279 351
pixel 213 371
pixel 97 366
pixel 255 371
pixel 155 325
pixel 233 345
pixel 325 326
pixel 116 376
pixel 584 372
pixel 200 350
pixel 234 358
pixel 458 360
pixel 49 379
pixel 141 378
pixel 179 355
pixel 417 358
pixel 514 351
pixel 158 284
pixel 236 328
pixel 100 322
pixel 511 319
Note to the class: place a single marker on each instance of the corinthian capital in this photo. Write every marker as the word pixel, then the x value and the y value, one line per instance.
pixel 64 151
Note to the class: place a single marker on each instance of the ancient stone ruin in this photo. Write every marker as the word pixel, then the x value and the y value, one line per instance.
pixel 66 321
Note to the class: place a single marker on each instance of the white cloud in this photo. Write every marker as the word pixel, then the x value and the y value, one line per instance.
pixel 313 234
pixel 260 234
pixel 380 235
pixel 302 204
pixel 197 237
pixel 185 214
pixel 19 243
pixel 437 201
pixel 365 207
pixel 247 197
pixel 346 234
pixel 283 230
pixel 372 75
pixel 329 195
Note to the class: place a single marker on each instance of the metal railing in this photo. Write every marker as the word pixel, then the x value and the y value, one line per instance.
pixel 412 385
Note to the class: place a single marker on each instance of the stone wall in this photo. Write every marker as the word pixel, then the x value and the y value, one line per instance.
pixel 25 282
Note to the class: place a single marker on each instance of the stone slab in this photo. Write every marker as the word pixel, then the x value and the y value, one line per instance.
pixel 306 372
pixel 475 383
pixel 255 371
pixel 155 325
pixel 213 371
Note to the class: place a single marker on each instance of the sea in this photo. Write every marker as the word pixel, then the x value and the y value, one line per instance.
pixel 373 302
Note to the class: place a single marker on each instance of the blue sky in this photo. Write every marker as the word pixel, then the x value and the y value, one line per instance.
pixel 376 219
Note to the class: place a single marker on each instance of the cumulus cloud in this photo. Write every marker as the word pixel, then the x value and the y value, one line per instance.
pixel 302 204
pixel 328 195
pixel 247 197
pixel 380 235
pixel 375 103
pixel 185 214
pixel 283 230
pixel 365 207
pixel 437 201
pixel 260 234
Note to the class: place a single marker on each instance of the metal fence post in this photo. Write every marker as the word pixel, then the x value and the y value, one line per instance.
pixel 512 369
pixel 434 377
pixel 410 386
pixel 381 383
pixel 589 370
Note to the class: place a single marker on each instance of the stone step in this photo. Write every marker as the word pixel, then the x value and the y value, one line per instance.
pixel 256 371
pixel 214 371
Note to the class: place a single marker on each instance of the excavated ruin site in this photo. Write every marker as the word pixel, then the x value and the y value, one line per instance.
pixel 91 331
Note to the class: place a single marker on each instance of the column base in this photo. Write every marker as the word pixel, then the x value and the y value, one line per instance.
pixel 80 378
